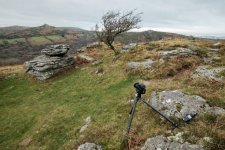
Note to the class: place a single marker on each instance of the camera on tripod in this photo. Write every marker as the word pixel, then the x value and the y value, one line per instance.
pixel 140 88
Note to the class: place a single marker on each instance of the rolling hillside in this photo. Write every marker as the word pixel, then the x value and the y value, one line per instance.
pixel 19 44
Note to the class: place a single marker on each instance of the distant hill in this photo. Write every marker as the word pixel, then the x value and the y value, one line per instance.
pixel 146 36
pixel 19 44
pixel 212 37
pixel 72 29
pixel 21 32
pixel 11 29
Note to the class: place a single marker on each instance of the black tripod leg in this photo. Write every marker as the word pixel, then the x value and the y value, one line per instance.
pixel 168 119
pixel 131 115
pixel 131 110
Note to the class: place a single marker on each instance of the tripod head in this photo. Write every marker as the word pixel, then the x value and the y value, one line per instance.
pixel 140 89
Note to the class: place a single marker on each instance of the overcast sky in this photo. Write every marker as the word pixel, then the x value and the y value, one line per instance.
pixel 196 17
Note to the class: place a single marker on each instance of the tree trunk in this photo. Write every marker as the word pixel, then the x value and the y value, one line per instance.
pixel 116 52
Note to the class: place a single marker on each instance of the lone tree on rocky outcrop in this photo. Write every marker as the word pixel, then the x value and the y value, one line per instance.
pixel 115 23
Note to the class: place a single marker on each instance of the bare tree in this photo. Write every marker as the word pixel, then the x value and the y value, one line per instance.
pixel 115 23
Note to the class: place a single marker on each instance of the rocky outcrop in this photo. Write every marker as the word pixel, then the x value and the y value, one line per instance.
pixel 177 104
pixel 52 61
pixel 129 46
pixel 179 51
pixel 163 143
pixel 208 72
pixel 89 146
pixel 147 64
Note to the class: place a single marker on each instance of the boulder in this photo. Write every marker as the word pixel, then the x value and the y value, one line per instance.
pixel 49 63
pixel 147 64
pixel 208 72
pixel 177 104
pixel 129 46
pixel 89 146
pixel 179 51
pixel 163 143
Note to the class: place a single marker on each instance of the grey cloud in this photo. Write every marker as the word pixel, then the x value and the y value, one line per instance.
pixel 193 16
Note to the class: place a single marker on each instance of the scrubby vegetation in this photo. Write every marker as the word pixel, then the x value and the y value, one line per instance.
pixel 50 114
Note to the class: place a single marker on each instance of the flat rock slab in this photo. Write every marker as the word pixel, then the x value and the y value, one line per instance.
pixel 147 64
pixel 93 45
pixel 89 146
pixel 85 58
pixel 208 72
pixel 179 51
pixel 177 104
pixel 162 143
pixel 55 50
pixel 129 46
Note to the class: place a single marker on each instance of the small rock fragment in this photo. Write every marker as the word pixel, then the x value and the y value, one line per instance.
pixel 89 146
pixel 87 123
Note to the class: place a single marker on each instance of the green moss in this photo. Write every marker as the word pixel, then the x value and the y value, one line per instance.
pixel 178 107
pixel 222 74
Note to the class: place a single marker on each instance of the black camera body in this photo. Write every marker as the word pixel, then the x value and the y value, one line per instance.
pixel 140 88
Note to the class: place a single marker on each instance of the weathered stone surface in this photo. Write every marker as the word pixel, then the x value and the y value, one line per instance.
pixel 87 122
pixel 93 45
pixel 97 62
pixel 129 46
pixel 89 146
pixel 85 58
pixel 45 66
pixel 147 64
pixel 176 103
pixel 55 50
pixel 179 51
pixel 162 143
pixel 208 72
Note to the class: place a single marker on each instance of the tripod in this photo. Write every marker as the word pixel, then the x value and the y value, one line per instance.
pixel 140 88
